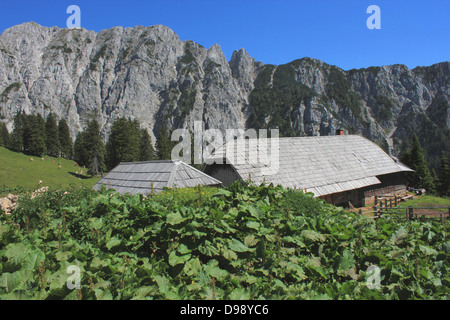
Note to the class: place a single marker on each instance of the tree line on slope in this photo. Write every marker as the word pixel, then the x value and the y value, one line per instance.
pixel 34 136
pixel 129 142
pixel 423 177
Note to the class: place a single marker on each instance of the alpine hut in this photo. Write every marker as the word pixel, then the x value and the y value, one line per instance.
pixel 153 176
pixel 341 169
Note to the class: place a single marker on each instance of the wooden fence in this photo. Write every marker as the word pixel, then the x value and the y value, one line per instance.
pixel 389 205
pixel 412 213
pixel 390 201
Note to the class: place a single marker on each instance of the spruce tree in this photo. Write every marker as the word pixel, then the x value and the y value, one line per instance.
pixel 28 121
pixel 147 152
pixel 95 149
pixel 435 179
pixel 34 135
pixel 4 135
pixel 134 128
pixel 415 159
pixel 123 143
pixel 17 134
pixel 65 140
pixel 444 177
pixel 52 136
pixel 2 143
pixel 163 144
pixel 80 154
pixel 89 150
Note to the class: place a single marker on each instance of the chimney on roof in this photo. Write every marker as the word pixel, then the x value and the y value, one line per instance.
pixel 339 132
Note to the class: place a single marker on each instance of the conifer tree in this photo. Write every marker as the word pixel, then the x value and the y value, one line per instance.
pixel 415 159
pixel 147 152
pixel 17 134
pixel 444 177
pixel 65 140
pixel 52 136
pixel 2 143
pixel 34 135
pixel 95 149
pixel 4 135
pixel 123 143
pixel 79 149
pixel 89 150
pixel 435 179
pixel 163 144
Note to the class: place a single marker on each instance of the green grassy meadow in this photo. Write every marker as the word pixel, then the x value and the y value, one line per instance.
pixel 17 170
pixel 426 201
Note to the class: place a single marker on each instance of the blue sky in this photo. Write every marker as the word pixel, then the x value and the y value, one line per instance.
pixel 415 33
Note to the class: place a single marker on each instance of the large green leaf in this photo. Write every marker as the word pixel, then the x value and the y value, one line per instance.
pixel 239 294
pixel 113 242
pixel 103 294
pixel 175 218
pixel 208 249
pixel 251 240
pixel 192 266
pixel 58 282
pixel 313 235
pixel 399 235
pixel 238 246
pixel 322 296
pixel 427 250
pixel 97 264
pixel 254 212
pixel 346 260
pixel 183 249
pixel 5 233
pixel 145 293
pixel 215 271
pixel 16 252
pixel 33 260
pixel 315 267
pixel 166 288
pixel 10 281
pixel 63 255
pixel 175 259
pixel 24 295
pixel 253 225
pixel 229 254
pixel 296 270
pixel 96 223
pixel 224 192
pixel 446 246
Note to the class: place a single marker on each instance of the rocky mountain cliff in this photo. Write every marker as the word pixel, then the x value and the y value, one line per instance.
pixel 148 73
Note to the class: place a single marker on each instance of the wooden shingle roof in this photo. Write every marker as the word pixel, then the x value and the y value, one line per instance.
pixel 320 164
pixel 152 176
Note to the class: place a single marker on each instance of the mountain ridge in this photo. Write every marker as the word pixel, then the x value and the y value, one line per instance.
pixel 150 74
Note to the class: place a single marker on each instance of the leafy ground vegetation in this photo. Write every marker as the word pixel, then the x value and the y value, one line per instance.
pixel 243 242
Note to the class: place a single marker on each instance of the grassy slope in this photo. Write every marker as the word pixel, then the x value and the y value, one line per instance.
pixel 16 170
pixel 427 201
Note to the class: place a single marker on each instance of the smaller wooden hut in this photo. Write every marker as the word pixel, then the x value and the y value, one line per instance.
pixel 153 176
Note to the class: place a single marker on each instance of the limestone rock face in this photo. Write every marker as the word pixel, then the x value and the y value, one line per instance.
pixel 148 73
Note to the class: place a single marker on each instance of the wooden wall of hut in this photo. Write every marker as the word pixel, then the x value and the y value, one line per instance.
pixel 222 172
